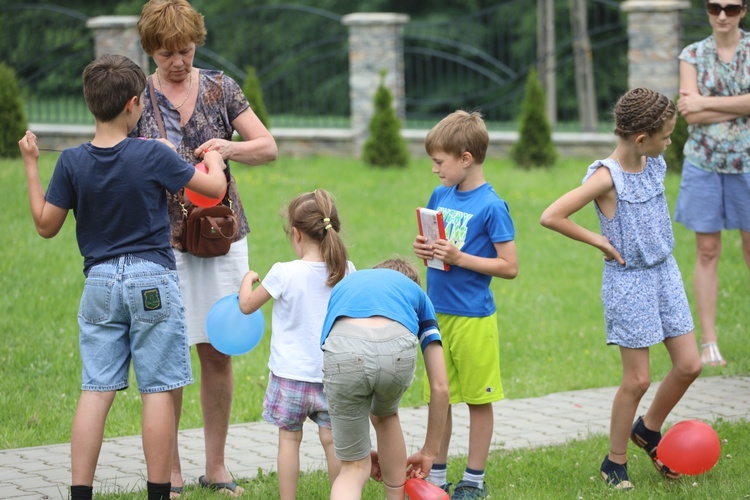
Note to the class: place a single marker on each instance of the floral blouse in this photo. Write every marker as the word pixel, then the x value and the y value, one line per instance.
pixel 220 101
pixel 720 147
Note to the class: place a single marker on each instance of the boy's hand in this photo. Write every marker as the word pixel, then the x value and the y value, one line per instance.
pixel 419 465
pixel 447 252
pixel 421 249
pixel 28 146
pixel 375 472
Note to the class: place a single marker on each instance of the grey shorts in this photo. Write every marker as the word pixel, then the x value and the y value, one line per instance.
pixel 365 371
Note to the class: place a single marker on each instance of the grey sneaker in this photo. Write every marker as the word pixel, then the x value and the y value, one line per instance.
pixel 466 491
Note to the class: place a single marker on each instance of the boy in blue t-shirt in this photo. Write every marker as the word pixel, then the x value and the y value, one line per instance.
pixel 131 307
pixel 376 321
pixel 479 245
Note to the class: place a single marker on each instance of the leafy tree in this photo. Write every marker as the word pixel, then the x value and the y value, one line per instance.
pixel 385 147
pixel 12 114
pixel 534 147
pixel 254 94
pixel 674 155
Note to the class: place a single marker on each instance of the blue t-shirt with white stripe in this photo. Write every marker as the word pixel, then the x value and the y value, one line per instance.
pixel 383 292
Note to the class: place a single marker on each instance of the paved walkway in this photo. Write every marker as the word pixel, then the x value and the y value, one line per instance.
pixel 43 472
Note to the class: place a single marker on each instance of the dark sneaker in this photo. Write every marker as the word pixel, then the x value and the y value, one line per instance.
pixel 466 490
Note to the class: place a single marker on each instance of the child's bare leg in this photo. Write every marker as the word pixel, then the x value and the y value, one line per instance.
pixel 391 454
pixel 288 463
pixel 158 435
pixel 334 464
pixel 481 421
pixel 686 366
pixel 87 435
pixel 351 479
pixel 176 476
pixel 635 383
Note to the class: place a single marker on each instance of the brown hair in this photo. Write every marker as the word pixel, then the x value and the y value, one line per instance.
pixel 171 25
pixel 642 110
pixel 109 82
pixel 314 214
pixel 459 132
pixel 401 265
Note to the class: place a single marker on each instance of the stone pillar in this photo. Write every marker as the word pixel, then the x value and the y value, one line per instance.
pixel 375 44
pixel 654 44
pixel 118 35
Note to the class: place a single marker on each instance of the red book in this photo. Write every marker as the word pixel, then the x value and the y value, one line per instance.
pixel 432 227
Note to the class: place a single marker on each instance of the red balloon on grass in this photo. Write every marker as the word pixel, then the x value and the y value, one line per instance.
pixel 690 447
pixel 419 489
pixel 199 199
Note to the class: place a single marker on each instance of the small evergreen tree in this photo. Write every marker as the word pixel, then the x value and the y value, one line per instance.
pixel 674 155
pixel 254 94
pixel 385 147
pixel 534 147
pixel 12 113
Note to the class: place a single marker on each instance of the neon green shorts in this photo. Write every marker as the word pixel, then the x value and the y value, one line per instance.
pixel 472 357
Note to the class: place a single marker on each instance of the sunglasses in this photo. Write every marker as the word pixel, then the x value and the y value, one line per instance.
pixel 732 10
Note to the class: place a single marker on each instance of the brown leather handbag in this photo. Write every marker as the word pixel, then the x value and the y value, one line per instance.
pixel 208 231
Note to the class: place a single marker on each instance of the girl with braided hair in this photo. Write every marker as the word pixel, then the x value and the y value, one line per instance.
pixel 300 289
pixel 642 290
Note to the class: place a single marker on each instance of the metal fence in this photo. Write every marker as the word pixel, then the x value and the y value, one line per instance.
pixel 477 61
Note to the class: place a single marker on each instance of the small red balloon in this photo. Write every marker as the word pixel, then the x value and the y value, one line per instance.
pixel 419 489
pixel 199 199
pixel 690 447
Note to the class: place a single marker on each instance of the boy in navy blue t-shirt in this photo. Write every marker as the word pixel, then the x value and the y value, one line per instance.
pixel 131 307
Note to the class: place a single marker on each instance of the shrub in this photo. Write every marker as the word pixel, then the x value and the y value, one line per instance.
pixel 12 113
pixel 385 147
pixel 254 94
pixel 534 147
pixel 674 155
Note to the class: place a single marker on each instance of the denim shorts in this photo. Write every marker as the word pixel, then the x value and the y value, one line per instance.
pixel 131 309
pixel 365 371
pixel 709 202
pixel 288 403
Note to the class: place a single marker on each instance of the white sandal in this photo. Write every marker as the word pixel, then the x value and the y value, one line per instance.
pixel 710 355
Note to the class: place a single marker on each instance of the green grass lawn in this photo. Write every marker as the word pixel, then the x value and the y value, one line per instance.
pixel 550 317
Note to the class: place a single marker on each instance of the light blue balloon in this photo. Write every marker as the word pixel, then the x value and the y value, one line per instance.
pixel 229 330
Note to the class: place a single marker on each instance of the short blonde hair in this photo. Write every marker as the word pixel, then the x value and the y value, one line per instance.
pixel 459 132
pixel 401 265
pixel 171 25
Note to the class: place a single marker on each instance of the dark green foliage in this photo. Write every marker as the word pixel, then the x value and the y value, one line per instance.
pixel 534 147
pixel 674 155
pixel 254 94
pixel 12 114
pixel 385 147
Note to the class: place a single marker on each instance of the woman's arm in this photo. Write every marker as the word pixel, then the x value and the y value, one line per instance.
pixel 697 108
pixel 257 147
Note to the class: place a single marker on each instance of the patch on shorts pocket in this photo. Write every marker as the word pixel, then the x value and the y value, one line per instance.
pixel 151 299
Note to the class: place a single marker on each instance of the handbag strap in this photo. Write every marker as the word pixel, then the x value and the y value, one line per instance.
pixel 157 111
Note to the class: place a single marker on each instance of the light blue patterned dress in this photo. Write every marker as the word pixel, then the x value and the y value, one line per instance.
pixel 644 301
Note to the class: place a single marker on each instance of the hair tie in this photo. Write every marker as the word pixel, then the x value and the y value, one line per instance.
pixel 327 222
